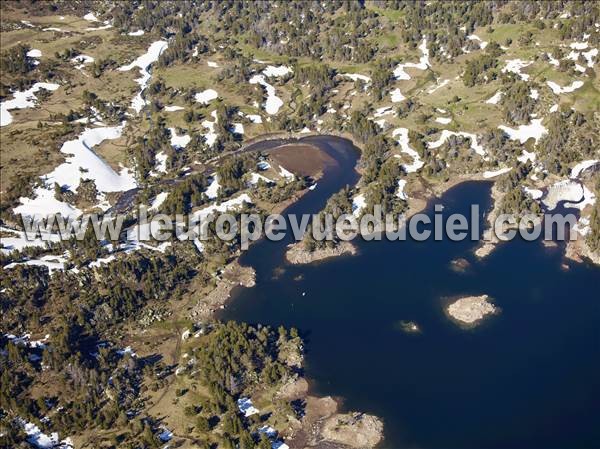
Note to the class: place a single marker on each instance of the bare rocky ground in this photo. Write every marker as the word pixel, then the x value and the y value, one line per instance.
pixel 233 275
pixel 323 426
pixel 578 250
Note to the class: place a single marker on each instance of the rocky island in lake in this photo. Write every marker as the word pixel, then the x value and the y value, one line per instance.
pixel 471 310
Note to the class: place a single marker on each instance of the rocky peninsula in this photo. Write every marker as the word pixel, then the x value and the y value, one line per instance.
pixel 298 254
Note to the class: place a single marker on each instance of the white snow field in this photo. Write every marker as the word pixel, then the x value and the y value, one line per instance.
pixel 523 133
pixel 583 166
pixel 273 103
pixel 143 63
pixel 403 141
pixel 400 193
pixel 81 161
pixel 396 96
pixel 179 141
pixel 495 98
pixel 557 89
pixel 213 189
pixel 357 76
pixel 566 190
pixel 423 64
pixel 494 173
pixel 206 96
pixel 515 66
pixel 446 133
pixel 358 204
pixel 22 100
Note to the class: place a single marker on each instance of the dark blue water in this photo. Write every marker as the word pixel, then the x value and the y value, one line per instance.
pixel 528 377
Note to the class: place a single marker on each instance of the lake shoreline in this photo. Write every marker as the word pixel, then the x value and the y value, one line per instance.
pixel 420 199
pixel 325 422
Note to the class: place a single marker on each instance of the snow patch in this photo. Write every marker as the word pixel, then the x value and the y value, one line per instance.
pixel 34 53
pixel 26 341
pixel 41 440
pixel 206 96
pixel 53 263
pixel 400 193
pixel 566 190
pixel 237 128
pixel 161 162
pixel 356 76
pixel 211 135
pixel 527 156
pixel 158 200
pixel 80 159
pixel 212 190
pixel 403 141
pixel 589 199
pixel 494 173
pixel 358 204
pixel 128 350
pixel 495 99
pixel 523 133
pixel 286 174
pixel 90 17
pixel 552 60
pixel 165 435
pixel 273 103
pixel 474 37
pixel 583 166
pixel 254 118
pixel 582 227
pixel 515 66
pixel 103 27
pixel 278 71
pixel 82 60
pixel 102 261
pixel 557 89
pixel 446 133
pixel 579 45
pixel 535 194
pixel 256 177
pixel 590 55
pixel 438 86
pixel 397 96
pixel 534 94
pixel 22 100
pixel 268 431
pixel 245 406
pixel 385 110
pixel 20 240
pixel 381 123
pixel 423 64
pixel 143 63
pixel 263 165
pixel 179 141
